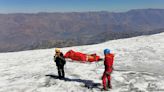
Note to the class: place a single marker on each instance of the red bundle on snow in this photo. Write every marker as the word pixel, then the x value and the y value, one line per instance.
pixel 78 56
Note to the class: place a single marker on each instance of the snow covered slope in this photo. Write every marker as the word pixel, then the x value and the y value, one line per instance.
pixel 138 67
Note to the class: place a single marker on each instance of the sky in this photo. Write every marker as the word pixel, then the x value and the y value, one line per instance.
pixel 34 6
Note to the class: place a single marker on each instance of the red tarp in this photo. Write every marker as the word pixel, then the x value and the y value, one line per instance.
pixel 78 56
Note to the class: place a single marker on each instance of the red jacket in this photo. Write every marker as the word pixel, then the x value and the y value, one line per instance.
pixel 75 55
pixel 78 56
pixel 108 62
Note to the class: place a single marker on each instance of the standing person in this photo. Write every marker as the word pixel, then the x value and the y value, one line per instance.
pixel 108 62
pixel 60 62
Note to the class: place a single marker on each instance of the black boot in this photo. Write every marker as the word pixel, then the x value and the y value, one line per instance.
pixel 59 74
pixel 109 85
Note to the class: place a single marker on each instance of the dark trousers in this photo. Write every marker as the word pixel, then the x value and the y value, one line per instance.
pixel 61 72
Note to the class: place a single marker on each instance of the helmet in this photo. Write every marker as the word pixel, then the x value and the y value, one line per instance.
pixel 106 51
pixel 57 49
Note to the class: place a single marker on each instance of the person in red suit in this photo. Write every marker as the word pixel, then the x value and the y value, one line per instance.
pixel 108 62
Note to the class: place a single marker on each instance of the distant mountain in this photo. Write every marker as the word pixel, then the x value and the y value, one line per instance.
pixel 45 30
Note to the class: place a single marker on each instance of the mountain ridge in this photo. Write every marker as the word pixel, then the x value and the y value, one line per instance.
pixel 45 30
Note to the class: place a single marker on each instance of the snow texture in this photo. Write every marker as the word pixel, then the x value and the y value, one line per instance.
pixel 138 67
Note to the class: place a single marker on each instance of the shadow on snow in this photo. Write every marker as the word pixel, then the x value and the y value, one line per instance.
pixel 88 83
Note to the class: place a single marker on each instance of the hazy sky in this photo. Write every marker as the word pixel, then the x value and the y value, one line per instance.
pixel 15 6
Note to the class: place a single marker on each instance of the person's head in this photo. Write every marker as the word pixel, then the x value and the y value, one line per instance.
pixel 57 50
pixel 106 51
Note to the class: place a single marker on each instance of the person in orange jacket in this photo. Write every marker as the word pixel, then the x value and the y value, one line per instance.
pixel 108 62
